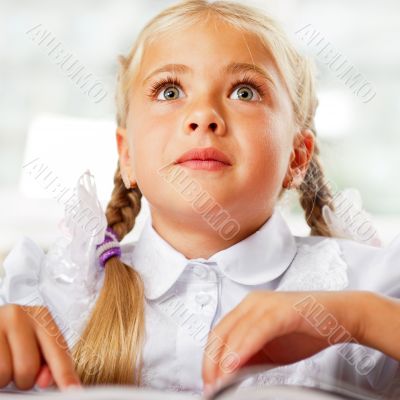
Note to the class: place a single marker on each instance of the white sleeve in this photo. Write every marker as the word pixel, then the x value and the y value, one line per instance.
pixel 34 278
pixel 21 274
pixel 388 271
pixel 372 268
pixel 377 270
pixel 67 278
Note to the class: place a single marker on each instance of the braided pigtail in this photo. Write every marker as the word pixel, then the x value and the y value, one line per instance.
pixel 314 193
pixel 109 350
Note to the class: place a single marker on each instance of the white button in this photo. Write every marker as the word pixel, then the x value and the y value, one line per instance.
pixel 202 298
pixel 212 275
pixel 200 271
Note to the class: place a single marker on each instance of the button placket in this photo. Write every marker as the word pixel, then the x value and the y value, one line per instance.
pixel 205 293
pixel 201 300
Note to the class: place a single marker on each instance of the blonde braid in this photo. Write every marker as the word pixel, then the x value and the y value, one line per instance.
pixel 314 193
pixel 110 346
pixel 123 207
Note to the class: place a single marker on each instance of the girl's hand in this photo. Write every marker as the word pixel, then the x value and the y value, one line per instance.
pixel 279 328
pixel 30 339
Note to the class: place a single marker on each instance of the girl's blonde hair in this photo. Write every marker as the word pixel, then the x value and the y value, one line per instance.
pixel 109 350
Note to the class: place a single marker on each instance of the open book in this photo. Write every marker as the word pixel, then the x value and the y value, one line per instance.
pixel 229 390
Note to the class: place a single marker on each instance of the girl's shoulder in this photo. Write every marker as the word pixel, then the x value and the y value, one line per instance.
pixel 54 278
pixel 317 265
pixel 20 273
pixel 66 278
pixel 367 267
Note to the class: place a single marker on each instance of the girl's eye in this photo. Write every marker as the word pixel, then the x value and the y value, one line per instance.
pixel 170 93
pixel 245 93
pixel 248 90
pixel 170 88
pixel 165 89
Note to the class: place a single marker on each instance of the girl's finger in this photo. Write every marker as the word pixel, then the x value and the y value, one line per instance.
pixel 24 352
pixel 230 359
pixel 6 369
pixel 55 352
pixel 45 378
pixel 217 338
pixel 250 336
pixel 216 341
pixel 231 318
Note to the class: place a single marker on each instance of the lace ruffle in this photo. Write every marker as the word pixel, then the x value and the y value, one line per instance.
pixel 349 220
pixel 67 278
pixel 317 266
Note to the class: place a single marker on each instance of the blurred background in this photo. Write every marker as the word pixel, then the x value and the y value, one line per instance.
pixel 47 119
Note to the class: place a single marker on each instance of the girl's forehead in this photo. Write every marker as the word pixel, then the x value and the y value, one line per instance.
pixel 202 39
pixel 205 47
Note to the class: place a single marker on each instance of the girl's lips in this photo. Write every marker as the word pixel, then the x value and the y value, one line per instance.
pixel 209 165
pixel 204 154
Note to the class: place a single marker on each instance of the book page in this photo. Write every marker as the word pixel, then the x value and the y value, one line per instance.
pixel 278 393
pixel 100 392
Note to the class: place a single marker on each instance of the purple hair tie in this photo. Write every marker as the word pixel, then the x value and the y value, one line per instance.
pixel 109 247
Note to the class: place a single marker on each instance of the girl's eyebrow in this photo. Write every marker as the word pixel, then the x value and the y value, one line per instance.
pixel 231 68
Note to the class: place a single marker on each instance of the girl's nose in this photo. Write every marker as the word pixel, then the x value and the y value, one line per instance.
pixel 204 120
pixel 212 126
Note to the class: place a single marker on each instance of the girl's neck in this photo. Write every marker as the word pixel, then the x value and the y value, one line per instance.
pixel 197 238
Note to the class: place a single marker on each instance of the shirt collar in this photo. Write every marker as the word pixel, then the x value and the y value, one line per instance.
pixel 259 258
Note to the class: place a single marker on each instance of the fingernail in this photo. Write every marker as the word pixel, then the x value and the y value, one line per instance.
pixel 74 386
pixel 208 389
pixel 220 381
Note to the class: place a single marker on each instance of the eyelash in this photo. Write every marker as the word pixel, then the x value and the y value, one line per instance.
pixel 246 80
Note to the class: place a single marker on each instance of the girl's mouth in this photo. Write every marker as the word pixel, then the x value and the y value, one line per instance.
pixel 209 165
pixel 206 158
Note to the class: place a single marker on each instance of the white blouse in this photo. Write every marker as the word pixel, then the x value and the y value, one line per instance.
pixel 185 298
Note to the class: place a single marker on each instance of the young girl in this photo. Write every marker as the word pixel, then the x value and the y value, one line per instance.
pixel 212 162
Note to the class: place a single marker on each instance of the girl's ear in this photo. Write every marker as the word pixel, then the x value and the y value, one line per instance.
pixel 125 160
pixel 300 157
